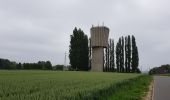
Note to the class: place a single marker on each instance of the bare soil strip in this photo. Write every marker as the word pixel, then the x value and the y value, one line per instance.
pixel 150 93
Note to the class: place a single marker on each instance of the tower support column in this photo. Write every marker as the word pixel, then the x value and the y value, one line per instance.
pixel 97 61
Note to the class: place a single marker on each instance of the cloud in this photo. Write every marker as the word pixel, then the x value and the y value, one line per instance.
pixel 32 30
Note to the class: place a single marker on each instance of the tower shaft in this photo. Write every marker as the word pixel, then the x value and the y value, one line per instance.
pixel 97 60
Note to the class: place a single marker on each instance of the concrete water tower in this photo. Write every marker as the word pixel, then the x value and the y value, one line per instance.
pixel 99 41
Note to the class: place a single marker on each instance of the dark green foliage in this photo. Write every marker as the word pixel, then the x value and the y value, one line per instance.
pixel 48 65
pixel 128 53
pixel 85 53
pixel 118 55
pixel 13 65
pixel 127 58
pixel 58 67
pixel 112 55
pixel 163 69
pixel 73 49
pixel 19 66
pixel 4 64
pixel 122 55
pixel 79 57
pixel 138 70
pixel 107 60
pixel 43 65
pixel 135 58
pixel 7 64
pixel 90 53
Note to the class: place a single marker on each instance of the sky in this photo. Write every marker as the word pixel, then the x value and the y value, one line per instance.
pixel 34 30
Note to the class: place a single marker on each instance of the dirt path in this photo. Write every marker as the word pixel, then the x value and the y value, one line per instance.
pixel 149 94
pixel 161 88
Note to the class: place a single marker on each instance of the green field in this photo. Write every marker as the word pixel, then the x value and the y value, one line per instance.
pixel 58 85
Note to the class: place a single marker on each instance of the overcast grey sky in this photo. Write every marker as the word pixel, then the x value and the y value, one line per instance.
pixel 33 30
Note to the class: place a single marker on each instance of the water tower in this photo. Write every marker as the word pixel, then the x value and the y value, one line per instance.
pixel 99 41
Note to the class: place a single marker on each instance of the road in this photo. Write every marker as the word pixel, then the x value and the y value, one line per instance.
pixel 161 88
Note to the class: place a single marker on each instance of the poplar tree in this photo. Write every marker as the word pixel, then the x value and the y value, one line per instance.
pixel 90 53
pixel 118 55
pixel 108 58
pixel 122 55
pixel 106 62
pixel 129 53
pixel 135 56
pixel 126 54
pixel 79 57
pixel 112 55
pixel 127 58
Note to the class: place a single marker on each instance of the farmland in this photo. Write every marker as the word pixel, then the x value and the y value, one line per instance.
pixel 52 85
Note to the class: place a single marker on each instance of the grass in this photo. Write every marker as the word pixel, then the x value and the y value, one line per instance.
pixel 163 74
pixel 133 89
pixel 52 85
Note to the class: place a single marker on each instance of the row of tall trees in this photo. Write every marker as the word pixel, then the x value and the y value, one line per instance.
pixel 127 58
pixel 122 58
pixel 7 64
pixel 109 58
pixel 79 50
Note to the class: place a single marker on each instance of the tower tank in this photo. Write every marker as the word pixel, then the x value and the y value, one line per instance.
pixel 99 41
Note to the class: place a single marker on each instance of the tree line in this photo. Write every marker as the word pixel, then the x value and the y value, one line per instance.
pixel 163 69
pixel 127 57
pixel 121 58
pixel 7 64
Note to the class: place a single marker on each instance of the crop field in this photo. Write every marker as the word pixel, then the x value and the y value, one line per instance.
pixel 58 85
